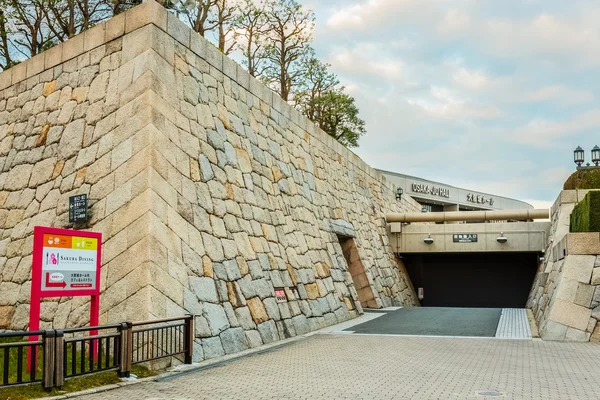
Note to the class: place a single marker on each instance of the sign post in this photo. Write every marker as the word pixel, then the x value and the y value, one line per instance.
pixel 66 262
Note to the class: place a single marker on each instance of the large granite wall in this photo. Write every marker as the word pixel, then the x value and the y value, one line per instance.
pixel 210 190
pixel 565 297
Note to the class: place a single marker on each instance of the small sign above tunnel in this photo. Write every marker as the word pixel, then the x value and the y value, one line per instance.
pixel 465 238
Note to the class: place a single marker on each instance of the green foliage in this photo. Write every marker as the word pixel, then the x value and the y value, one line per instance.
pixel 339 117
pixel 586 215
pixel 583 179
pixel 324 102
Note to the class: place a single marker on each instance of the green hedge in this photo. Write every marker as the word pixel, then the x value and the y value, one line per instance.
pixel 586 215
pixel 583 179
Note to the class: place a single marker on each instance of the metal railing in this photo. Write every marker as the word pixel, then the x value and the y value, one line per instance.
pixel 153 340
pixel 33 358
pixel 69 353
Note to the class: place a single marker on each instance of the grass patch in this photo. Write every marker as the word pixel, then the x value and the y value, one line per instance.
pixel 35 390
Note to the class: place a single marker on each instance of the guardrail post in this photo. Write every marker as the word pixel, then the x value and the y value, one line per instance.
pixel 49 344
pixel 59 359
pixel 125 350
pixel 189 338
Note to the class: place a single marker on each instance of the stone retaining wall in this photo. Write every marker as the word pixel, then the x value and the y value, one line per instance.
pixel 210 191
pixel 565 298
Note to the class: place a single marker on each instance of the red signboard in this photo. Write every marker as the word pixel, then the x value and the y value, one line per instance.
pixel 66 263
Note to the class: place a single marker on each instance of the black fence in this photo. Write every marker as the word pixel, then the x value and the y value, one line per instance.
pixel 26 361
pixel 57 355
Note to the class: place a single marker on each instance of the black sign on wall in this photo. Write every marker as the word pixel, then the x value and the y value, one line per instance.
pixel 78 208
pixel 464 238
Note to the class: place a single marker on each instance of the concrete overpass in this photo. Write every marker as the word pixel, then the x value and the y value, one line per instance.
pixel 454 261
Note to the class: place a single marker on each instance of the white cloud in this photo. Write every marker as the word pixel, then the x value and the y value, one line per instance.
pixel 491 94
pixel 560 94
pixel 541 132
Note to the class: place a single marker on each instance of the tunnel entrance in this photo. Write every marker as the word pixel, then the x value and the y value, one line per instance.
pixel 493 280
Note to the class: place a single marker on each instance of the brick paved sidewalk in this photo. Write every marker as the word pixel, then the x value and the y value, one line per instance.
pixel 391 367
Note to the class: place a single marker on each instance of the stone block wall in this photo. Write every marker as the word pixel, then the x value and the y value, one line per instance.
pixel 565 297
pixel 210 191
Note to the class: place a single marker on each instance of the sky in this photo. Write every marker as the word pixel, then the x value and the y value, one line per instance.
pixel 487 95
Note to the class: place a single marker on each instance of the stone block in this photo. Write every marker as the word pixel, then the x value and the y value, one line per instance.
pixel 202 330
pixel 190 303
pixel 115 27
pixel 212 346
pixel 216 317
pixel 236 298
pixel 18 177
pixel 35 65
pixel 214 56
pixel 214 248
pixel 254 339
pixel 579 267
pixel 583 243
pixel 42 172
pixel 244 318
pixel 19 72
pixel 5 79
pixel 178 29
pixel 272 308
pixel 575 335
pixel 570 314
pixel 596 298
pixel 268 332
pixel 204 288
pixel 149 12
pixel 596 276
pixel 584 295
pixel 94 37
pixel 6 315
pixel 234 340
pixel 301 325
pixel 312 290
pixel 229 68
pixel 198 44
pixel 257 310
pixel 73 47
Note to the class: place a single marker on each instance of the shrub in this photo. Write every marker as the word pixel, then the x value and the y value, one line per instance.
pixel 583 179
pixel 586 215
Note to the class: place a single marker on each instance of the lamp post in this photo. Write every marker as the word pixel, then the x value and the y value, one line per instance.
pixel 399 192
pixel 578 156
pixel 596 155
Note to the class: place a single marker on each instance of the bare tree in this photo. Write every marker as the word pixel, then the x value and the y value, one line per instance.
pixel 250 35
pixel 198 14
pixel 289 30
pixel 32 35
pixel 225 16
pixel 6 61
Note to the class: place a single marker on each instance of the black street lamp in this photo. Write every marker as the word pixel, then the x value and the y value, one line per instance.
pixel 596 155
pixel 399 192
pixel 578 156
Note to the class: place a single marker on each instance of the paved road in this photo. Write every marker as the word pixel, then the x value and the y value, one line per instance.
pixel 391 367
pixel 437 321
